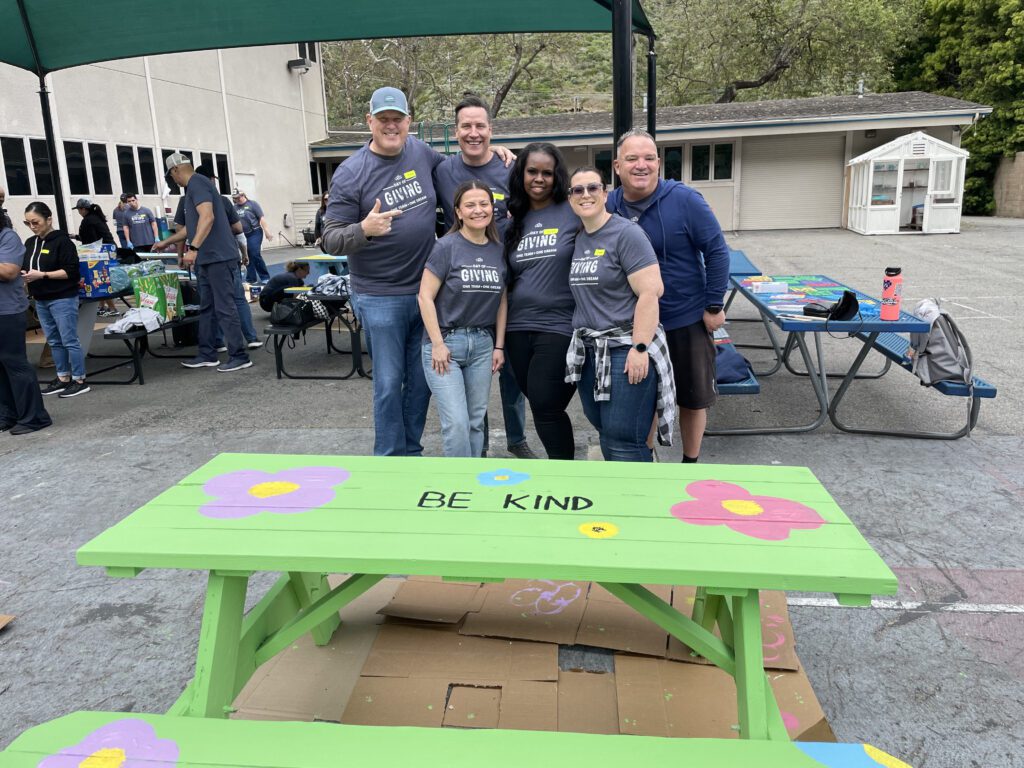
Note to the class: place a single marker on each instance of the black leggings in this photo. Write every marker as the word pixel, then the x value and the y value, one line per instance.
pixel 538 363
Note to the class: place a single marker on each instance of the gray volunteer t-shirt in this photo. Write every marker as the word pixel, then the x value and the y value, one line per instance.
pixel 601 263
pixel 119 219
pixel 219 244
pixel 472 279
pixel 249 214
pixel 539 298
pixel 391 264
pixel 13 299
pixel 140 227
pixel 637 207
pixel 229 210
pixel 454 171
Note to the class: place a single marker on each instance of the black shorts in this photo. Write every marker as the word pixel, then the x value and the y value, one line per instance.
pixel 693 361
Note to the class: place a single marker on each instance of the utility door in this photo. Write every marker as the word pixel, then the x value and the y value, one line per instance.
pixel 943 201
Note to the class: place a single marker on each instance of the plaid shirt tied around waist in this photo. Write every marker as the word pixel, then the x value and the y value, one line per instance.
pixel 657 349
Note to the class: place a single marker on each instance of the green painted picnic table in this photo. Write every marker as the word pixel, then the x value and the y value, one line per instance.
pixel 733 530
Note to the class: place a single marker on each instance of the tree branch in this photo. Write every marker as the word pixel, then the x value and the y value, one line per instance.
pixel 517 69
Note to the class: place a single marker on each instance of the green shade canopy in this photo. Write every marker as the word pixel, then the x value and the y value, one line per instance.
pixel 67 33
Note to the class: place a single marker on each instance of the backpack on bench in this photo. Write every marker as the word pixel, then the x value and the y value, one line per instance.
pixel 941 354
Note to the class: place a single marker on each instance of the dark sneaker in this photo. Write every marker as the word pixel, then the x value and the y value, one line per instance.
pixel 254 344
pixel 21 429
pixel 235 365
pixel 74 389
pixel 56 387
pixel 5 427
pixel 200 362
pixel 522 451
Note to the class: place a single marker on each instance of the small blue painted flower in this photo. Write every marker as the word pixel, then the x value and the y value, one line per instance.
pixel 502 477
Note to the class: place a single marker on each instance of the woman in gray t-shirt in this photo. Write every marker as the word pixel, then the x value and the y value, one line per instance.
pixel 462 301
pixel 616 282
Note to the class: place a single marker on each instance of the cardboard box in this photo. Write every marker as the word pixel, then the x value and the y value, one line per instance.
pixel 430 599
pixel 5 619
pixel 94 264
pixel 160 293
pixel 541 610
pixel 586 702
pixel 609 623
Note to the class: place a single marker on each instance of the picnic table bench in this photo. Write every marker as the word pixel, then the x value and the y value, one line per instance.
pixel 104 738
pixel 749 385
pixel 137 342
pixel 285 334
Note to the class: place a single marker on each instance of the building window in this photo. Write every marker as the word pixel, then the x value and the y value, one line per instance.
pixel 16 165
pixel 223 175
pixel 206 158
pixel 314 178
pixel 41 166
pixel 126 168
pixel 711 162
pixel 674 163
pixel 174 188
pixel 78 176
pixel 147 169
pixel 101 184
pixel 603 163
pixel 307 51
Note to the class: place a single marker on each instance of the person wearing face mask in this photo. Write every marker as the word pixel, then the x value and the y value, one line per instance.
pixel 538 248
pixel 50 269
pixel 618 353
pixel 462 302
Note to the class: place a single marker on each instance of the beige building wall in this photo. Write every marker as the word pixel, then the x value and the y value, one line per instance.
pixel 1009 186
pixel 261 115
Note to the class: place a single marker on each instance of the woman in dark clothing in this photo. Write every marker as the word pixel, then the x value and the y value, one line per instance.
pixel 21 405
pixel 318 226
pixel 94 229
pixel 50 268
pixel 295 272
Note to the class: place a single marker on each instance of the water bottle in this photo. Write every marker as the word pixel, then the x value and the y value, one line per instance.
pixel 892 293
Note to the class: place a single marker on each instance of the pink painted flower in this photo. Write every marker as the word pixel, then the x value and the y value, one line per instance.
pixel 128 743
pixel 762 517
pixel 251 491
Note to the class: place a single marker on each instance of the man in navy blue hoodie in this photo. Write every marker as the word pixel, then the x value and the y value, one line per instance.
pixel 694 261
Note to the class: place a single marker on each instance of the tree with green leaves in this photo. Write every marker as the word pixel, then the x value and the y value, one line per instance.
pixel 974 50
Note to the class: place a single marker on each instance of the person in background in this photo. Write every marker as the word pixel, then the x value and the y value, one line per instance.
pixel 94 229
pixel 476 160
pixel 119 215
pixel 254 226
pixel 3 211
pixel 618 353
pixel 538 247
pixel 50 269
pixel 318 224
pixel 462 301
pixel 21 404
pixel 139 226
pixel 294 275
pixel 694 261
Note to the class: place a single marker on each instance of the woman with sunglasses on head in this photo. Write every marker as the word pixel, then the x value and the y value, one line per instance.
pixel 50 269
pixel 462 302
pixel 538 248
pixel 618 353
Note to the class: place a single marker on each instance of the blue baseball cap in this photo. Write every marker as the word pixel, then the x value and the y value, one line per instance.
pixel 388 98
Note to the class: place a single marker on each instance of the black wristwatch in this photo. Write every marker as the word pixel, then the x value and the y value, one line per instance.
pixel 640 347
pixel 713 309
pixel 193 248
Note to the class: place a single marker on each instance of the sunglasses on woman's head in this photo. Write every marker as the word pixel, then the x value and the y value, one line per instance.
pixel 590 189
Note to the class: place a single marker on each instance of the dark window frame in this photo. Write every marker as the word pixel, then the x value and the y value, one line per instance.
pixel 42 173
pixel 147 173
pixel 22 184
pixel 77 168
pixel 712 161
pixel 102 182
pixel 129 184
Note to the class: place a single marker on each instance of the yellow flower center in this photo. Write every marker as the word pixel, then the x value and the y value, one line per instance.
pixel 599 530
pixel 272 488
pixel 501 477
pixel 744 507
pixel 109 757
pixel 884 758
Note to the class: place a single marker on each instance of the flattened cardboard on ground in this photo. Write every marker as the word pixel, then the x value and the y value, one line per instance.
pixel 586 703
pixel 778 641
pixel 541 610
pixel 609 623
pixel 5 619
pixel 431 599
pixel 658 697
pixel 307 682
pixel 408 651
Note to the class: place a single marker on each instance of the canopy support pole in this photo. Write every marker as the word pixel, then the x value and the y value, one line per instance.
pixel 652 87
pixel 622 68
pixel 44 102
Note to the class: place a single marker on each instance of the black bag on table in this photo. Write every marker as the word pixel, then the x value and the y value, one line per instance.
pixel 292 312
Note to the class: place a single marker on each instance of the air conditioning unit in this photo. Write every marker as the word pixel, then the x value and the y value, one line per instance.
pixel 300 65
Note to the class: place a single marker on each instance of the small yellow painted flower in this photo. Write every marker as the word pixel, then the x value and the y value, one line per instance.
pixel 599 530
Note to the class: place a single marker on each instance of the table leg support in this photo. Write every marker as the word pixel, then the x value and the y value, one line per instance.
pixel 213 688
pixel 308 588
pixel 750 678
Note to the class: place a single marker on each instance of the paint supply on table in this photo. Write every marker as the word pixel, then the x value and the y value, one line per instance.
pixel 892 293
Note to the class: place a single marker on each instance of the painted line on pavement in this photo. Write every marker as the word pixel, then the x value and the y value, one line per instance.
pixel 910 605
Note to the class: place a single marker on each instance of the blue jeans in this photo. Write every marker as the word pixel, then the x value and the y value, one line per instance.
pixel 624 421
pixel 244 314
pixel 257 268
pixel 59 318
pixel 400 393
pixel 461 395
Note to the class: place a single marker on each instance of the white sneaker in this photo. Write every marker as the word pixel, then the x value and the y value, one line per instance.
pixel 222 349
pixel 254 344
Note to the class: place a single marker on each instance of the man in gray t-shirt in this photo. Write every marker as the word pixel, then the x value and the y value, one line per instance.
pixel 139 225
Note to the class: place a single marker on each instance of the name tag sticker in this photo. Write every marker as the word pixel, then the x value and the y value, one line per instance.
pixel 410 174
pixel 44 250
pixel 599 251
pixel 498 196
pixel 551 231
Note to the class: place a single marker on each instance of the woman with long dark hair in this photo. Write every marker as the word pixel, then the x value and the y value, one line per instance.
pixel 21 404
pixel 538 248
pixel 462 302
pixel 51 271
pixel 318 224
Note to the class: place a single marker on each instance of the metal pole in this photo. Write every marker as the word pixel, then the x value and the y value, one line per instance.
pixel 622 68
pixel 652 87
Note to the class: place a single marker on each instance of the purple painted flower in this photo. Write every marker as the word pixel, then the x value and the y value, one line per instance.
pixel 251 491
pixel 127 743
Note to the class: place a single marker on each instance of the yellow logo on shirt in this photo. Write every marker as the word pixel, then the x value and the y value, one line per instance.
pixel 44 250
pixel 410 174
pixel 599 251
pixel 551 231
pixel 498 196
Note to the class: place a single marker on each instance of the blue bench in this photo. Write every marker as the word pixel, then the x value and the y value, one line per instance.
pixel 895 347
pixel 749 385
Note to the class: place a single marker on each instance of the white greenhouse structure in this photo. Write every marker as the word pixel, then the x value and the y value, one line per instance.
pixel 913 184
